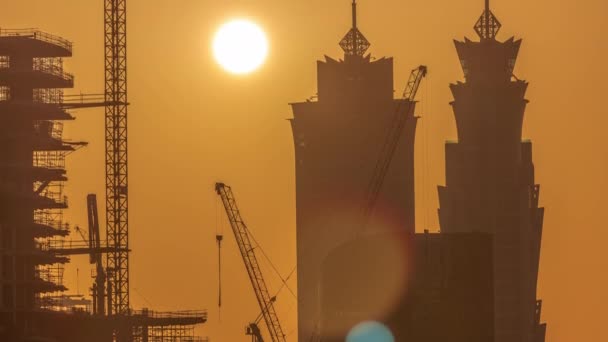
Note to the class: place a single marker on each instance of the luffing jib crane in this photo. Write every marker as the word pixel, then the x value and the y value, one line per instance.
pixel 392 141
pixel 241 233
pixel 99 287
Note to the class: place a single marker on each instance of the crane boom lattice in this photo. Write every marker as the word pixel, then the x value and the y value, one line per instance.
pixel 115 32
pixel 392 141
pixel 99 286
pixel 241 233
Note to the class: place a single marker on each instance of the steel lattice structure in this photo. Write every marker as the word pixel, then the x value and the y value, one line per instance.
pixel 389 146
pixel 117 229
pixel 354 42
pixel 242 236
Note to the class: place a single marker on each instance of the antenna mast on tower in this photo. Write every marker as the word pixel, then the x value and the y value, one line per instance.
pixel 487 26
pixel 354 43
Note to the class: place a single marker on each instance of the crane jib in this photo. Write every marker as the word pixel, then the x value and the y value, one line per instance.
pixel 390 143
pixel 241 233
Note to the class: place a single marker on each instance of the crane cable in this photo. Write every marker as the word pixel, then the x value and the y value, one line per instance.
pixel 425 174
pixel 283 280
pixel 219 237
pixel 428 97
pixel 285 283
pixel 425 154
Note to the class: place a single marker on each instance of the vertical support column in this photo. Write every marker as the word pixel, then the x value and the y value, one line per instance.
pixel 356 41
pixel 487 14
pixel 116 154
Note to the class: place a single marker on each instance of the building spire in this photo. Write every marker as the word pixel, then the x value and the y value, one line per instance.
pixel 487 26
pixel 354 13
pixel 354 43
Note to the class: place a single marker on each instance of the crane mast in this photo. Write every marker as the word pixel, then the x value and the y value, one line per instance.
pixel 392 141
pixel 117 229
pixel 241 233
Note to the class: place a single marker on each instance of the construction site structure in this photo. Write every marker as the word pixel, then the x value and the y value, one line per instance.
pixel 247 249
pixel 490 185
pixel 338 140
pixel 32 172
pixel 144 327
pixel 33 233
pixel 95 257
pixel 117 189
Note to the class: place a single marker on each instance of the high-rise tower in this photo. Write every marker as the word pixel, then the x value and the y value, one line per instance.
pixel 32 170
pixel 490 177
pixel 337 142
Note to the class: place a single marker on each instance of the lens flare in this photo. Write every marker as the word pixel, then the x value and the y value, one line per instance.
pixel 370 332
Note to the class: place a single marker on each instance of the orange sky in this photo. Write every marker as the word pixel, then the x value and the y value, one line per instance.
pixel 192 124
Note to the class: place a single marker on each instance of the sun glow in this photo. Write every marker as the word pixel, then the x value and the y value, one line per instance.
pixel 240 46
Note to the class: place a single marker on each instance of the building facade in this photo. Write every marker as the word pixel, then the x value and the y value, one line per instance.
pixel 338 139
pixel 490 186
pixel 440 288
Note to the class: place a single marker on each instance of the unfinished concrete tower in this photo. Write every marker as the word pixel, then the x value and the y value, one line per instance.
pixel 490 177
pixel 32 170
pixel 337 142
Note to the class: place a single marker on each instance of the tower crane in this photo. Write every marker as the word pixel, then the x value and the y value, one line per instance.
pixel 265 301
pixel 99 286
pixel 117 187
pixel 392 141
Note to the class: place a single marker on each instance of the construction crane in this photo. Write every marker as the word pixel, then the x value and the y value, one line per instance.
pixel 392 141
pixel 80 232
pixel 265 301
pixel 117 229
pixel 99 286
pixel 253 330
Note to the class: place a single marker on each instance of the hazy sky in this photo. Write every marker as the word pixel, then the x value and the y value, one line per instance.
pixel 192 124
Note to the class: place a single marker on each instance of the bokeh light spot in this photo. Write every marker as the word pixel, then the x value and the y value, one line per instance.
pixel 370 332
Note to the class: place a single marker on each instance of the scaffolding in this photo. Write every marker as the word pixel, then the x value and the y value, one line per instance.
pixel 177 326
pixel 46 167
pixel 50 274
pixel 32 79
pixel 48 96
pixel 52 66
pixel 34 33
pixel 173 333
pixel 5 93
pixel 5 62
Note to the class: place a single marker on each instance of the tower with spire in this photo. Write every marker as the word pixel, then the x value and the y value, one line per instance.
pixel 338 136
pixel 490 186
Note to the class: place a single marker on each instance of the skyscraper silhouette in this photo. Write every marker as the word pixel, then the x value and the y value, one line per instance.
pixel 490 177
pixel 337 142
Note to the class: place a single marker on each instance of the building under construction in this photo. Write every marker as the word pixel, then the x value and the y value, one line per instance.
pixel 33 250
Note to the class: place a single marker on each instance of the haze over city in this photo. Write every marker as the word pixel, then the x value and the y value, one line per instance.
pixel 193 122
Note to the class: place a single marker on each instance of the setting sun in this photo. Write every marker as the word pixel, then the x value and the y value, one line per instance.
pixel 240 46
